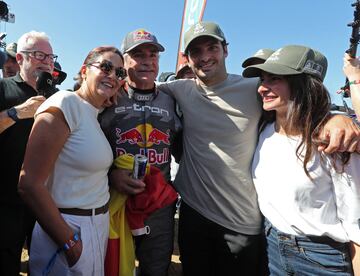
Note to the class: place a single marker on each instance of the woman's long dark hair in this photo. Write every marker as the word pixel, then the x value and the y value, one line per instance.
pixel 308 111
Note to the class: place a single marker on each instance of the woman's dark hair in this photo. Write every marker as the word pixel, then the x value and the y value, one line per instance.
pixel 308 111
pixel 92 57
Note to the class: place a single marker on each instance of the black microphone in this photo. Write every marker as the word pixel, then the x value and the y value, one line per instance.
pixel 44 84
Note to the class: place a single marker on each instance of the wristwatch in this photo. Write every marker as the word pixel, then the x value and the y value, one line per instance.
pixel 12 113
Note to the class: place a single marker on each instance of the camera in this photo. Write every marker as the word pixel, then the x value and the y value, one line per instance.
pixel 5 15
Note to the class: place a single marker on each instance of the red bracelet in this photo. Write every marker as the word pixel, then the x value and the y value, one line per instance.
pixel 71 242
pixel 354 82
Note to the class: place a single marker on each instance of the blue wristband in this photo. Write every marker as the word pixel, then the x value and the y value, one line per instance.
pixel 71 242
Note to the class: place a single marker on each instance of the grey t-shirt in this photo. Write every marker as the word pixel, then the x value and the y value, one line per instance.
pixel 220 125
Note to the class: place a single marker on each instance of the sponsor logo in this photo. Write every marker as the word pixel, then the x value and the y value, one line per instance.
pixel 143 135
pixel 143 98
pixel 157 137
pixel 199 28
pixel 132 136
pixel 313 67
pixel 139 108
pixel 153 156
pixel 259 53
pixel 142 35
pixel 275 55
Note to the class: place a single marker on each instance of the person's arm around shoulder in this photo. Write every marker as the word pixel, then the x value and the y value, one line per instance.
pixel 23 111
pixel 352 72
pixel 340 134
pixel 172 88
pixel 48 136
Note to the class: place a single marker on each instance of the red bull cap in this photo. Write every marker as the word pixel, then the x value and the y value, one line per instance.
pixel 137 38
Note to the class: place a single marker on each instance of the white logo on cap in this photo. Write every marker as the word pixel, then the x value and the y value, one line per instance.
pixel 275 55
pixel 259 53
pixel 313 68
pixel 199 28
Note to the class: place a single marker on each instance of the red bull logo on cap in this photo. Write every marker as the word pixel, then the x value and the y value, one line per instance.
pixel 142 35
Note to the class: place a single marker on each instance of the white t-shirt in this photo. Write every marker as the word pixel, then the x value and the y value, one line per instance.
pixel 328 206
pixel 79 178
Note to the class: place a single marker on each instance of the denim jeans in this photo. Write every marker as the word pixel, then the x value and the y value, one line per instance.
pixel 306 255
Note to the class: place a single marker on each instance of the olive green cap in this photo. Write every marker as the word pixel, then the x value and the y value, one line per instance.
pixel 202 28
pixel 11 49
pixel 259 57
pixel 322 63
pixel 288 60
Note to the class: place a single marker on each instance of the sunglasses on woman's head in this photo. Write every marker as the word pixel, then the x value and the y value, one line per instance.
pixel 107 67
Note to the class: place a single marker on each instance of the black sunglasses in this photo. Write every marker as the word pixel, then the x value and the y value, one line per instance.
pixel 107 67
pixel 40 55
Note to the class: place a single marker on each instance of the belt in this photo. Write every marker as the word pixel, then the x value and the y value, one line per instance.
pixel 85 212
pixel 298 238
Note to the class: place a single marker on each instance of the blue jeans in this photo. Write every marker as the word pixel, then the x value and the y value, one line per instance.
pixel 306 255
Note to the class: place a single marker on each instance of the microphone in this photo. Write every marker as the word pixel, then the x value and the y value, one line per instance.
pixel 44 84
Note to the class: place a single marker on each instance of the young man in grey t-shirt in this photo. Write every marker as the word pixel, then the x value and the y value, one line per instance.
pixel 220 222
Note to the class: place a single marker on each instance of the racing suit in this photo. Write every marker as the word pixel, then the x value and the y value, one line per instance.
pixel 145 122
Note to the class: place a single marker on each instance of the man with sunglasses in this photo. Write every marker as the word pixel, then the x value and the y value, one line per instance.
pixel 144 121
pixel 18 102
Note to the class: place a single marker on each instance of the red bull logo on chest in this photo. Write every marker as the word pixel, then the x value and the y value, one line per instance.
pixel 131 136
pixel 154 157
pixel 157 137
pixel 143 135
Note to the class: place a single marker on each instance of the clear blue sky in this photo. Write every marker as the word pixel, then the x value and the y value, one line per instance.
pixel 75 27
